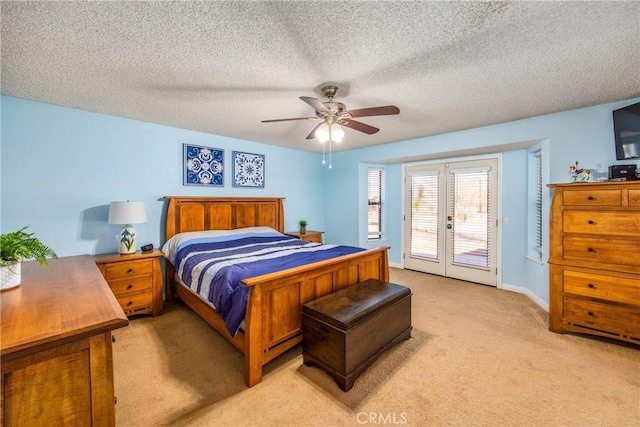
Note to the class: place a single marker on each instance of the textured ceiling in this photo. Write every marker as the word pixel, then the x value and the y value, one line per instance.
pixel 222 67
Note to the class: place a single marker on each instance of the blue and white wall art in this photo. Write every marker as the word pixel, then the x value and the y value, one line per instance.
pixel 248 170
pixel 203 166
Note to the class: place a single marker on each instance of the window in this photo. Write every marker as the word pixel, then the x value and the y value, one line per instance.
pixel 535 206
pixel 375 199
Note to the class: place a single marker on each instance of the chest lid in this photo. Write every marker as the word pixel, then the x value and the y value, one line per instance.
pixel 353 304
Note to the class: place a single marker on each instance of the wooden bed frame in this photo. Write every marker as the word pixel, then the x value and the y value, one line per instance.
pixel 273 320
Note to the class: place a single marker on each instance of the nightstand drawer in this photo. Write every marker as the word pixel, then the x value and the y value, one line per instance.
pixel 314 238
pixel 124 269
pixel 136 302
pixel 309 236
pixel 131 285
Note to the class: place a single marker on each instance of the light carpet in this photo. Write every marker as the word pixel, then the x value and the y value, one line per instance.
pixel 478 356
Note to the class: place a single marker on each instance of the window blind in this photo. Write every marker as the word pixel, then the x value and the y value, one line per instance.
pixel 538 213
pixel 375 194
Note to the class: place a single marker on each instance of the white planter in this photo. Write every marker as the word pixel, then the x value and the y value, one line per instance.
pixel 10 276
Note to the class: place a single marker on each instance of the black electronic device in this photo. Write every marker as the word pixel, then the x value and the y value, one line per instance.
pixel 147 248
pixel 626 127
pixel 622 172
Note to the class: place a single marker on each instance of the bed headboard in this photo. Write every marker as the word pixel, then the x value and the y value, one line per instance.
pixel 193 213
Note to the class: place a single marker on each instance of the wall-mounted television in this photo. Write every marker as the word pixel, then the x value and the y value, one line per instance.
pixel 626 127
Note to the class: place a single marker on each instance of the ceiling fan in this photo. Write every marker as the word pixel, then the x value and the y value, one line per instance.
pixel 332 112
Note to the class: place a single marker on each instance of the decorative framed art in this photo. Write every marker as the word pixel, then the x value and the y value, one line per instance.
pixel 203 166
pixel 248 170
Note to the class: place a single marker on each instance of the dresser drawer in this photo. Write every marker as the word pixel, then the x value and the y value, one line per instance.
pixel 602 317
pixel 131 285
pixel 135 302
pixel 634 197
pixel 601 222
pixel 592 197
pixel 125 269
pixel 602 286
pixel 594 250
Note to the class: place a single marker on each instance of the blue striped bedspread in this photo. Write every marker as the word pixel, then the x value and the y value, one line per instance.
pixel 213 266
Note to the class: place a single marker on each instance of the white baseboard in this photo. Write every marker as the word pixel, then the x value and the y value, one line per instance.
pixel 396 265
pixel 527 292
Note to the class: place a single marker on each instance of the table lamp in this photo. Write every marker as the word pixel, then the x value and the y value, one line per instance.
pixel 127 213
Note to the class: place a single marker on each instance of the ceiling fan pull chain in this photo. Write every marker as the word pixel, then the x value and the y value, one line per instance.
pixel 323 162
pixel 330 141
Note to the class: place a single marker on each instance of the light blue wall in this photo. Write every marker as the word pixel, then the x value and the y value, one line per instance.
pixel 61 167
pixel 584 135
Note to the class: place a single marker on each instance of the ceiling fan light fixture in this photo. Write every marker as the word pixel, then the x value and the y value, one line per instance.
pixel 323 133
pixel 337 133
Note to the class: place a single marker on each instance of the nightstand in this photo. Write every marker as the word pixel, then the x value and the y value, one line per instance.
pixel 135 280
pixel 309 236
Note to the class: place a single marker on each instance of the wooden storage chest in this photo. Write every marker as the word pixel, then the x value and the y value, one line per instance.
pixel 345 332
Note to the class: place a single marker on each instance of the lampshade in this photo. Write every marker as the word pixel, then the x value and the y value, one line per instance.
pixel 127 213
pixel 322 133
pixel 337 133
pixel 332 133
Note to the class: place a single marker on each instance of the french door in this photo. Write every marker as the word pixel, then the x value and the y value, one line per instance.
pixel 450 220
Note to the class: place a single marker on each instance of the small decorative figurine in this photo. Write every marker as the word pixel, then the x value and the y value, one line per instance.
pixel 576 173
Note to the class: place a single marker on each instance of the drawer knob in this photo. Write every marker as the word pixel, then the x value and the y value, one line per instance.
pixel 591 198
pixel 591 286
pixel 591 222
pixel 591 313
pixel 130 270
pixel 591 250
pixel 113 338
pixel 130 286
pixel 115 400
pixel 129 303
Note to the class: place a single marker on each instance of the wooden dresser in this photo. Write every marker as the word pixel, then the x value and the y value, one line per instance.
pixel 135 279
pixel 57 364
pixel 594 259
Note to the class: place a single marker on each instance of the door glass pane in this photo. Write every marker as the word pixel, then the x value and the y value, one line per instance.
pixel 424 216
pixel 469 240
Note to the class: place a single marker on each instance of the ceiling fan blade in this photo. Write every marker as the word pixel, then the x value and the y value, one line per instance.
pixel 312 134
pixel 286 120
pixel 359 126
pixel 315 103
pixel 375 111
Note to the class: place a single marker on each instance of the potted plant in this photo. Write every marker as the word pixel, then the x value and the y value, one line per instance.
pixel 303 226
pixel 16 247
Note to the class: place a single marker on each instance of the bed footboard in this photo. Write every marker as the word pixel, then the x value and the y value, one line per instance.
pixel 273 322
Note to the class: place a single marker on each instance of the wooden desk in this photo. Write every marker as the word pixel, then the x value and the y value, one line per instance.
pixel 55 345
